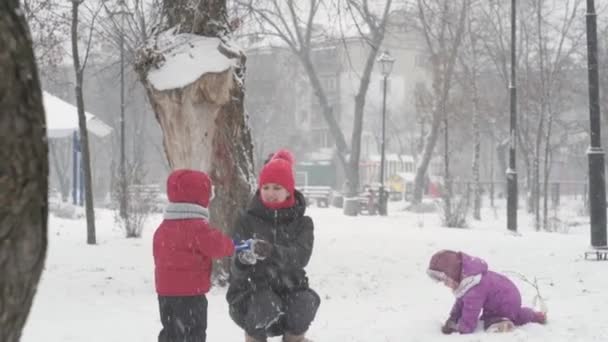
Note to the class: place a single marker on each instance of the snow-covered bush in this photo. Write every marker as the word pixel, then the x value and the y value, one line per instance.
pixel 456 215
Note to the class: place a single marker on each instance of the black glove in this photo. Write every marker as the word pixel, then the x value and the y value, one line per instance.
pixel 261 248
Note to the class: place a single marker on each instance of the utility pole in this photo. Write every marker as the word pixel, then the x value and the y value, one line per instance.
pixel 595 153
pixel 512 170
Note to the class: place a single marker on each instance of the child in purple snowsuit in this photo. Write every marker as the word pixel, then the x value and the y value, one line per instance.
pixel 476 288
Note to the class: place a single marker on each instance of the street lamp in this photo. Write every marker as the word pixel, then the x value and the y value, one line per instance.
pixel 511 173
pixel 595 153
pixel 386 62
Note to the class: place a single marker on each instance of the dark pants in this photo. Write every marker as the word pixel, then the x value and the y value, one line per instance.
pixel 266 313
pixel 184 319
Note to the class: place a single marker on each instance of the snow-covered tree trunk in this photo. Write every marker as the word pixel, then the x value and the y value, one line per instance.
pixel 24 173
pixel 193 78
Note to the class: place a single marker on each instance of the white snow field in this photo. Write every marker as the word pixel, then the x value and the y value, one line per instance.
pixel 369 271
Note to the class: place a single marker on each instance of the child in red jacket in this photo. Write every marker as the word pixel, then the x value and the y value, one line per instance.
pixel 184 245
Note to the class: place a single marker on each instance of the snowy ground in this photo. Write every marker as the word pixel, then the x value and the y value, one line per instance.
pixel 370 272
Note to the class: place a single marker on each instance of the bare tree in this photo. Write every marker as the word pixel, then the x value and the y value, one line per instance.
pixel 49 23
pixel 550 39
pixel 125 26
pixel 24 181
pixel 569 42
pixel 295 23
pixel 495 41
pixel 470 61
pixel 79 67
pixel 549 48
pixel 442 23
pixel 202 118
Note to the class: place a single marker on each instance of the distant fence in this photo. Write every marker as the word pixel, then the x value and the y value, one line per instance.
pixel 572 189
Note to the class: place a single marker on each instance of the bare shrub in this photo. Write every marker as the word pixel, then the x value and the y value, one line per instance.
pixel 141 200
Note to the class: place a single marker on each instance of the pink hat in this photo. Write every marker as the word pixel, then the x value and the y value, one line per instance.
pixel 447 264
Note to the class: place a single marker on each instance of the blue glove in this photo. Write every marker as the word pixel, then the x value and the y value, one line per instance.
pixel 242 245
pixel 244 252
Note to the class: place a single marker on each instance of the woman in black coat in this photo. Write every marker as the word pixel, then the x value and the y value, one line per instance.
pixel 268 292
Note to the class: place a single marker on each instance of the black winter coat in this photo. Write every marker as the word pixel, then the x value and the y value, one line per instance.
pixel 292 238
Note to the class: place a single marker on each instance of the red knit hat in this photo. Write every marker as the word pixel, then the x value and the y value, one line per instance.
pixel 279 170
pixel 189 186
pixel 446 263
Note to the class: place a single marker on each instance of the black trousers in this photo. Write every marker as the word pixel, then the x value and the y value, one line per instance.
pixel 184 319
pixel 266 313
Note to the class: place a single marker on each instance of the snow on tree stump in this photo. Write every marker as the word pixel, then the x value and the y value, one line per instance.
pixel 195 86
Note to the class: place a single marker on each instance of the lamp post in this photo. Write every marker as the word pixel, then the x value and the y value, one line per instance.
pixel 511 173
pixel 386 62
pixel 595 153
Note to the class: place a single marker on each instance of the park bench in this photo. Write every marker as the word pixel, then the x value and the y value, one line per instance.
pixel 317 194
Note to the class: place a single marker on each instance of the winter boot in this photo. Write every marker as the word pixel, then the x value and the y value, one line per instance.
pixel 540 317
pixel 295 338
pixel 252 339
pixel 501 327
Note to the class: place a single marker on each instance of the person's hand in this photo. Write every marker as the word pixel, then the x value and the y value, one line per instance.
pixel 449 327
pixel 261 248
pixel 247 257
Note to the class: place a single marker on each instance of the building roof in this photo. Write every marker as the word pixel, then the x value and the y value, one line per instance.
pixel 62 119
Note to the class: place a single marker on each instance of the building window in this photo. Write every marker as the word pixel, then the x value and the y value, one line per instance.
pixel 321 138
pixel 329 83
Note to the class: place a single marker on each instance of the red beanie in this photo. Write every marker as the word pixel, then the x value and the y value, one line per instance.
pixel 189 186
pixel 279 170
pixel 448 263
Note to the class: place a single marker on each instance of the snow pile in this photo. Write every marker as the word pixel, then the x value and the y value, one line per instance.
pixel 186 58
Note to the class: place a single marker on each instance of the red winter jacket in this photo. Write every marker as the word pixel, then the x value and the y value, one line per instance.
pixel 183 248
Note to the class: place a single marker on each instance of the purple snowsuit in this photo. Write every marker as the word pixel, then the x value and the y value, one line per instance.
pixel 481 289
